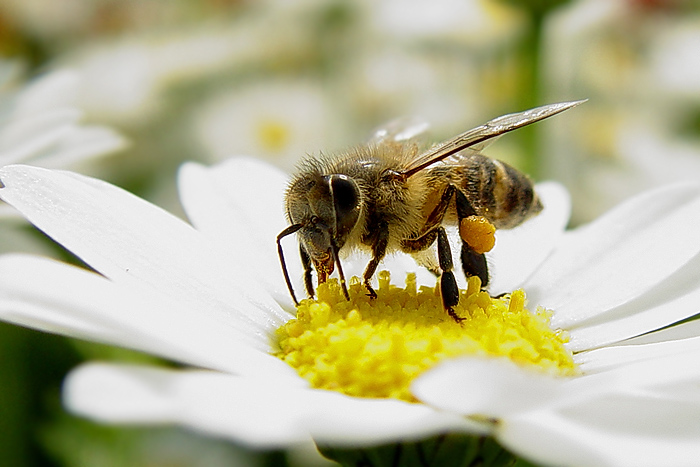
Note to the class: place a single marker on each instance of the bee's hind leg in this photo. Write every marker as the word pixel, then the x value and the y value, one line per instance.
pixel 433 230
pixel 448 285
pixel 473 263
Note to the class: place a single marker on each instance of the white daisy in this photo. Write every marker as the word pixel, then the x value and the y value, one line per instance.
pixel 212 296
pixel 127 80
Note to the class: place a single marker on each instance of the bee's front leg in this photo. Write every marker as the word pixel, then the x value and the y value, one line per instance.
pixel 378 238
pixel 306 263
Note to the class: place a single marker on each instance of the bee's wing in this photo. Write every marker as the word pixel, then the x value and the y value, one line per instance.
pixel 459 157
pixel 477 138
pixel 399 130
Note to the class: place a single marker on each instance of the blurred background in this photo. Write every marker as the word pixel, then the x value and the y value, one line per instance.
pixel 126 90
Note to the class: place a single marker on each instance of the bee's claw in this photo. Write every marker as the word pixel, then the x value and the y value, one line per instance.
pixel 370 292
pixel 454 316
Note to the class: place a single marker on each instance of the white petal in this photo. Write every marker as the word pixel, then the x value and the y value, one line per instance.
pixel 665 369
pixel 243 192
pixel 141 246
pixel 686 330
pixel 609 431
pixel 616 422
pixel 545 438
pixel 58 298
pixel 668 302
pixel 619 256
pixel 79 144
pixel 645 413
pixel 520 251
pixel 624 427
pixel 261 413
pixel 339 420
pixel 607 358
pixel 21 140
pixel 486 387
pixel 51 91
pixel 31 296
pixel 133 393
pixel 239 204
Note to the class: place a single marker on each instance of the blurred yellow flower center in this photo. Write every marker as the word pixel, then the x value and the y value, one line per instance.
pixel 375 348
pixel 273 135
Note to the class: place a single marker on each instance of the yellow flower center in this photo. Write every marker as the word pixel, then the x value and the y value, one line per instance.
pixel 375 347
pixel 273 135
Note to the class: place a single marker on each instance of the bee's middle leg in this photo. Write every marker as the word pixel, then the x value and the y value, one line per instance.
pixel 379 242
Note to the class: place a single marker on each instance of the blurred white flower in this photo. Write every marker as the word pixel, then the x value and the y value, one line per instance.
pixel 674 65
pixel 281 121
pixel 126 80
pixel 473 22
pixel 638 66
pixel 40 125
pixel 212 296
pixel 646 156
pixel 388 81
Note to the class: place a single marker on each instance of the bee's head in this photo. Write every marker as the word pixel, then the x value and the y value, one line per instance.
pixel 328 208
pixel 323 210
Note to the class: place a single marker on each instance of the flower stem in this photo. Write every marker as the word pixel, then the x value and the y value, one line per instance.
pixel 530 55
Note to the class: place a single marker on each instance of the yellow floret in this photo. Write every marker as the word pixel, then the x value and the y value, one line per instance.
pixel 375 347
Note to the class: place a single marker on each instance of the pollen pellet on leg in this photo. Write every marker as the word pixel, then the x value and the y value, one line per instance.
pixel 375 348
pixel 478 233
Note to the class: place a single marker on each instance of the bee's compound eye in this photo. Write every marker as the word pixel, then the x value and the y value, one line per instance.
pixel 346 195
pixel 346 201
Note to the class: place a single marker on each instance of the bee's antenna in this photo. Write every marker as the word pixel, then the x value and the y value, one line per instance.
pixel 334 249
pixel 288 231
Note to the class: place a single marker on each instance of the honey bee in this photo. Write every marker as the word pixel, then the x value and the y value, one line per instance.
pixel 388 196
